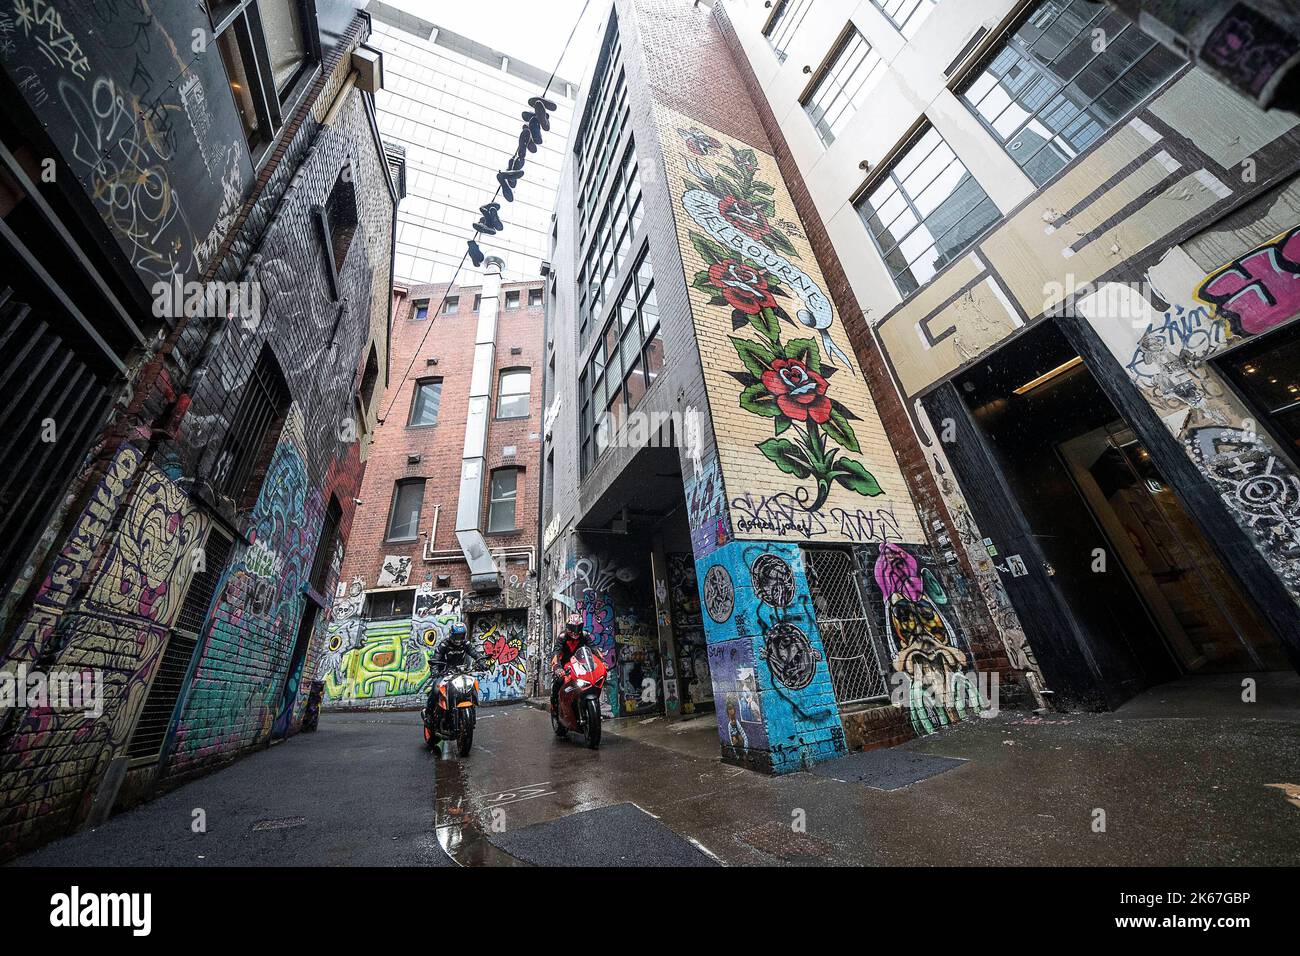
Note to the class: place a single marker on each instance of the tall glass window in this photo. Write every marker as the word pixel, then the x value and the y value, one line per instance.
pixel 925 211
pixel 626 362
pixel 907 15
pixel 1073 70
pixel 843 88
pixel 404 513
pixel 785 22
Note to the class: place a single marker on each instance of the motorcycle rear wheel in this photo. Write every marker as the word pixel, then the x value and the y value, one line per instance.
pixel 592 711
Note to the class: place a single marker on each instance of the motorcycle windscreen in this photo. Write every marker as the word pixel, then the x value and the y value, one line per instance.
pixel 587 663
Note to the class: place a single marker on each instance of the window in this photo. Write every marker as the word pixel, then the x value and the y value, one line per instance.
pixel 329 550
pixel 386 605
pixel 268 48
pixel 785 21
pixel 512 300
pixel 478 303
pixel 451 304
pixel 254 431
pixel 1267 373
pixel 425 402
pixel 404 514
pixel 906 15
pixel 610 244
pixel 286 40
pixel 369 378
pixel 339 221
pixel 534 298
pixel 514 393
pixel 421 311
pixel 924 211
pixel 1048 93
pixel 502 493
pixel 626 362
pixel 843 88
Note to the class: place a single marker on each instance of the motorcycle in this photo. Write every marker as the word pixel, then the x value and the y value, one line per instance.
pixel 455 712
pixel 581 688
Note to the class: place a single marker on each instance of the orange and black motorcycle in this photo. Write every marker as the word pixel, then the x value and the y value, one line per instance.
pixel 455 711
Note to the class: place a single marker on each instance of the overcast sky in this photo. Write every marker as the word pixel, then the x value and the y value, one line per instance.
pixel 533 31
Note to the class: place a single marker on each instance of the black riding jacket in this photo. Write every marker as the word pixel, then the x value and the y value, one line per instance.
pixel 450 653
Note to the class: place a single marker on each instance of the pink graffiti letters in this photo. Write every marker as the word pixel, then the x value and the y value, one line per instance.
pixel 1261 289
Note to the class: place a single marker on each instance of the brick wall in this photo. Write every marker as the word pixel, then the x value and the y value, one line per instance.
pixel 120 567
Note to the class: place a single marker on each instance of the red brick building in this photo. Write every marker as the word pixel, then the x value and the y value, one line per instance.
pixel 406 576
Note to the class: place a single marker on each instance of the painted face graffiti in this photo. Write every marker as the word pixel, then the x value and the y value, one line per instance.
pixel 773 581
pixel 790 655
pixel 928 660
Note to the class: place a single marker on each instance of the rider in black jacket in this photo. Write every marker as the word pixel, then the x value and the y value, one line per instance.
pixel 454 650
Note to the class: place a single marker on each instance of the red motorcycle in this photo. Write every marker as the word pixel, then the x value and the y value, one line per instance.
pixel 580 692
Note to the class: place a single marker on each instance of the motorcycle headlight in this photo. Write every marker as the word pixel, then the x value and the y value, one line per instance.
pixel 582 684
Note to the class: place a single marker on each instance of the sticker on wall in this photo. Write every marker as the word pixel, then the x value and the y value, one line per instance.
pixel 396 571
pixel 719 594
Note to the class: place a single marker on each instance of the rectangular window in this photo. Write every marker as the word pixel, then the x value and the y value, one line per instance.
pixel 388 605
pixel 254 431
pixel 286 40
pixel 404 513
pixel 478 303
pixel 267 48
pixel 451 304
pixel 425 402
pixel 843 88
pixel 625 364
pixel 610 244
pixel 514 391
pixel 534 298
pixel 1071 71
pixel 1267 373
pixel 512 300
pixel 501 504
pixel 924 211
pixel 421 311
pixel 787 19
pixel 907 15
pixel 329 550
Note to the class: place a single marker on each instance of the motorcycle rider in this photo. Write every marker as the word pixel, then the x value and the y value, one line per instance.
pixel 570 640
pixel 452 652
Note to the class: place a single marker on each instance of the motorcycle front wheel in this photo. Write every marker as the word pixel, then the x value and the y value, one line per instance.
pixel 465 741
pixel 592 712
pixel 430 741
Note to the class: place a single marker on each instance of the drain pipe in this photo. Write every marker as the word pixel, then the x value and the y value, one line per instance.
pixel 483 573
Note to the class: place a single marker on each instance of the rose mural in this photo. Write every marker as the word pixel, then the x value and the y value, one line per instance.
pixel 786 375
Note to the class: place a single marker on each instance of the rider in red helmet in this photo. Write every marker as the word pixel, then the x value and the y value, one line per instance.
pixel 573 638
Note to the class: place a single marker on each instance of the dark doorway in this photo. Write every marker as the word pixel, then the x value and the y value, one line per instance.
pixel 1147 596
pixel 293 677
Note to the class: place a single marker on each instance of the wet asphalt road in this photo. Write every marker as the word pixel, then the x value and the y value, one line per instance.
pixel 1182 778
pixel 357 792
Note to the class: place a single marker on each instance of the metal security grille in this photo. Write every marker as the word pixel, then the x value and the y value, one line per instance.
pixel 261 409
pixel 857 671
pixel 53 406
pixel 326 548
pixel 168 683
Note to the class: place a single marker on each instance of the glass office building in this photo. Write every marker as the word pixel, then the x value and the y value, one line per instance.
pixel 455 105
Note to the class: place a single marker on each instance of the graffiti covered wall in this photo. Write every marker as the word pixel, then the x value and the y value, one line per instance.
pixel 805 456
